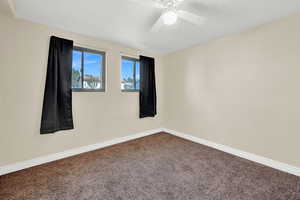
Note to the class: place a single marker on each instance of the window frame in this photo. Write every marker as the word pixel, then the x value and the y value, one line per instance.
pixel 134 73
pixel 102 66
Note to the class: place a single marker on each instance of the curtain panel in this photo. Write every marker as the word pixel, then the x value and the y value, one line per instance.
pixel 147 87
pixel 57 105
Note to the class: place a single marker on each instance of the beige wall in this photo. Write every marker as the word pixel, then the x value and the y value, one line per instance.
pixel 241 91
pixel 97 116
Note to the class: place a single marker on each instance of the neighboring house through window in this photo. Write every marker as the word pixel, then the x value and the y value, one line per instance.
pixel 88 70
pixel 130 74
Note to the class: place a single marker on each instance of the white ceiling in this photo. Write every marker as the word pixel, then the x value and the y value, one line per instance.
pixel 129 22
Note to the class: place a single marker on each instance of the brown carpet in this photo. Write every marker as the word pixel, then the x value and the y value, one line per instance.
pixel 155 167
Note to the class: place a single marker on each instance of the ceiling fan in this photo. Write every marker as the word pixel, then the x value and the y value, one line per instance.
pixel 171 13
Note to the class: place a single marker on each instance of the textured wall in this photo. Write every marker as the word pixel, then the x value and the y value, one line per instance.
pixel 97 116
pixel 241 90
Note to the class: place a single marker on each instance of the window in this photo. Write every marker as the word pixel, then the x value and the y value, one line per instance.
pixel 88 70
pixel 130 74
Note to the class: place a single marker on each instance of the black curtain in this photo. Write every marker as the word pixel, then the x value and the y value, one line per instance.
pixel 147 87
pixel 57 106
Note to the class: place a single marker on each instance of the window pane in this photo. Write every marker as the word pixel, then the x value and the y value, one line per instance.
pixel 92 71
pixel 127 82
pixel 76 70
pixel 137 75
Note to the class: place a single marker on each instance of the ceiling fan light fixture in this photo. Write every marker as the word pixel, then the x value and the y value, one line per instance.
pixel 170 17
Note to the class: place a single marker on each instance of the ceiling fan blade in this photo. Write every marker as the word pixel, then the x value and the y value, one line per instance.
pixel 191 17
pixel 158 24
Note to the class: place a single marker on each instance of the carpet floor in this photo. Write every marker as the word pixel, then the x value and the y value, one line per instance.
pixel 156 167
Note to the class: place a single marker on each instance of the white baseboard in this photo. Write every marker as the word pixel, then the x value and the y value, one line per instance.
pixel 52 157
pixel 249 156
pixel 56 156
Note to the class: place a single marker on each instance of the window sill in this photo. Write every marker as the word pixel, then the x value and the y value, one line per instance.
pixel 130 91
pixel 88 90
